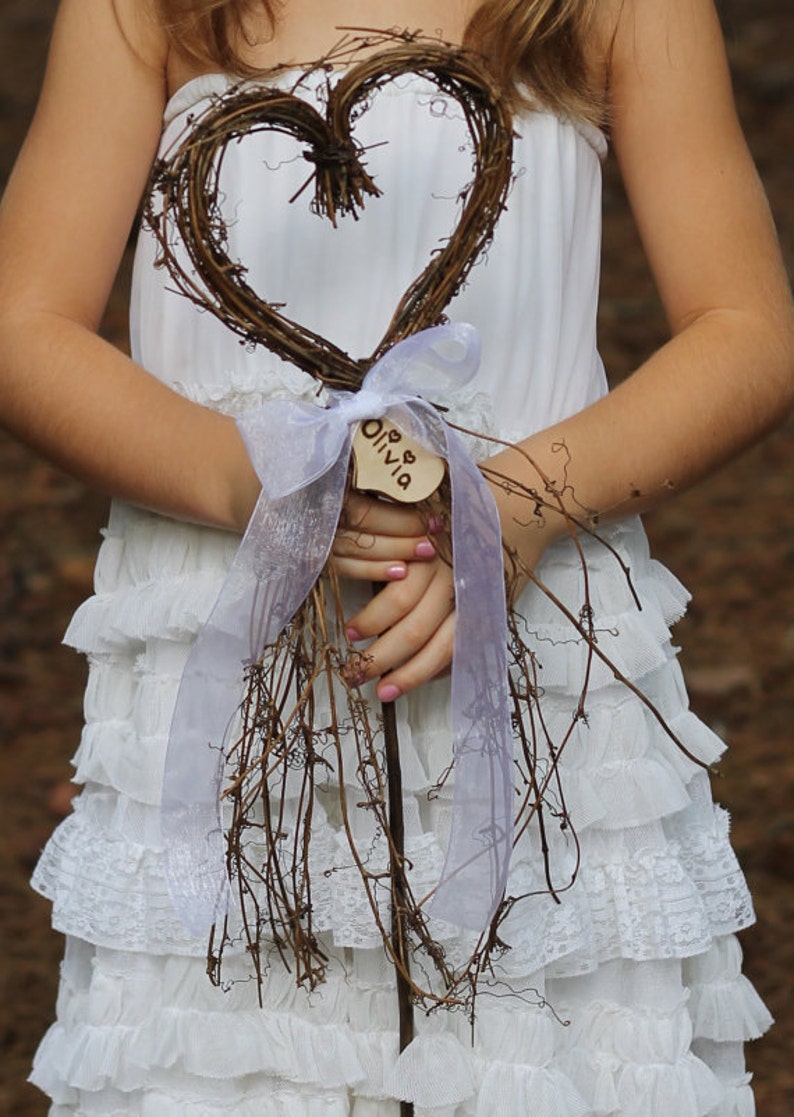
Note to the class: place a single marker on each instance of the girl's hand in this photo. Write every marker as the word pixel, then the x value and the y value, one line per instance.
pixel 411 621
pixel 412 618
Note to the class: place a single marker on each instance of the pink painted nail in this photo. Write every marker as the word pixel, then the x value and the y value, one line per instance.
pixel 435 525
pixel 389 692
pixel 396 571
pixel 425 549
pixel 353 634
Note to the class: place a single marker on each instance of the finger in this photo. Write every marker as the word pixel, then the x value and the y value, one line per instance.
pixel 380 517
pixel 366 570
pixel 413 629
pixel 430 662
pixel 393 602
pixel 348 544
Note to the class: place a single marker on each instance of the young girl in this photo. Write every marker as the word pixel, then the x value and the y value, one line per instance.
pixel 623 995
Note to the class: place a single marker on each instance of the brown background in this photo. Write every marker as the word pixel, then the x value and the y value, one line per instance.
pixel 731 540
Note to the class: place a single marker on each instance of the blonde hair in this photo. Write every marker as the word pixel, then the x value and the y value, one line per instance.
pixel 534 48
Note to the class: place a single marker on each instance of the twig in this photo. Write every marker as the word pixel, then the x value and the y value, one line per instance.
pixel 399 925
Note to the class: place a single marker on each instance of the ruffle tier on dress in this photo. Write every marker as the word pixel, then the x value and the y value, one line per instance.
pixel 623 999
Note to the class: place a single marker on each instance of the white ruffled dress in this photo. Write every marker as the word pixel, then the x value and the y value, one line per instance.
pixel 626 998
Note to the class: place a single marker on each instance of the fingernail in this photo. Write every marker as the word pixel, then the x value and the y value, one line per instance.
pixel 435 525
pixel 396 571
pixel 389 692
pixel 425 549
pixel 352 634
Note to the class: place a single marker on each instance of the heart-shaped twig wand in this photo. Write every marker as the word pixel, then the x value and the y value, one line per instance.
pixel 186 198
pixel 283 733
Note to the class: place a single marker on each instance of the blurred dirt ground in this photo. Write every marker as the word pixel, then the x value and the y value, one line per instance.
pixel 731 541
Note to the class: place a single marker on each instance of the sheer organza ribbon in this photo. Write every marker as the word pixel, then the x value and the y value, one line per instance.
pixel 301 454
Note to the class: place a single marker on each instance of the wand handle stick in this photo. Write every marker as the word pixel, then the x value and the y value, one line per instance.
pixel 397 856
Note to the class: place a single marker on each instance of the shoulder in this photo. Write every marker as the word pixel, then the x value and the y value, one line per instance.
pixel 695 193
pixel 120 27
pixel 107 57
pixel 624 34
pixel 653 41
pixel 77 182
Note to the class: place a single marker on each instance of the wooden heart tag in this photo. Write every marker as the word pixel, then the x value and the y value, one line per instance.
pixel 387 462
pixel 185 197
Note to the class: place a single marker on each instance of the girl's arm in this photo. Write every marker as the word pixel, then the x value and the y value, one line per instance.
pixel 64 222
pixel 725 377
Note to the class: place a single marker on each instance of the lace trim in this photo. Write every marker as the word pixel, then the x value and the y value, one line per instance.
pixel 638 896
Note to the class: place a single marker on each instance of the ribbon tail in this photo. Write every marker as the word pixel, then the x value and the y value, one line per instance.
pixel 278 561
pixel 475 872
